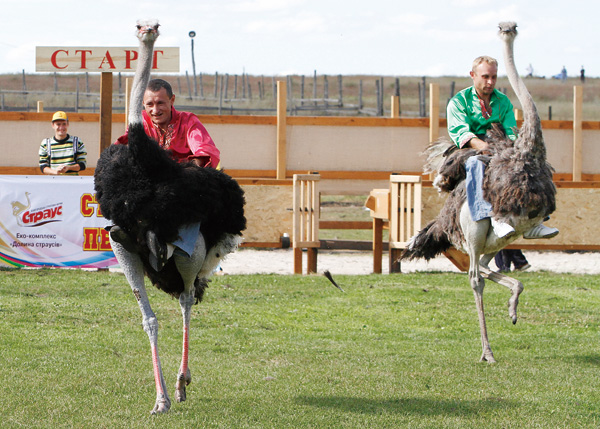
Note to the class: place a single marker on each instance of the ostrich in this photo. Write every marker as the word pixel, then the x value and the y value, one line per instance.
pixel 140 188
pixel 517 183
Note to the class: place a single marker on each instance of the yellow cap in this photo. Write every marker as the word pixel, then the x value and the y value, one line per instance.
pixel 60 116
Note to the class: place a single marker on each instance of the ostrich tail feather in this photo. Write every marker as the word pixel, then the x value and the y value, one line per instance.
pixel 427 244
pixel 435 154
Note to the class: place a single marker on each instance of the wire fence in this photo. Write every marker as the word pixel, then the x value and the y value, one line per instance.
pixel 311 95
pixel 226 94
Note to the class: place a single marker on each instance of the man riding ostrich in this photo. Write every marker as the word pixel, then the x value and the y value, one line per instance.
pixel 489 207
pixel 153 200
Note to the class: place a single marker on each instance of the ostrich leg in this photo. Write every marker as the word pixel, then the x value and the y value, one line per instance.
pixel 189 269
pixel 475 233
pixel 477 284
pixel 134 272
pixel 184 377
pixel 515 286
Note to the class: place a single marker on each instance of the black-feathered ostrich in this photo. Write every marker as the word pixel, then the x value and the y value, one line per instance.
pixel 141 188
pixel 517 183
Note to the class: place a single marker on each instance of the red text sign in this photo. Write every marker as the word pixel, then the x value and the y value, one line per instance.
pixel 98 59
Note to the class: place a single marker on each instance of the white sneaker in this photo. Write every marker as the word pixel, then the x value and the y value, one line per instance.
pixel 540 231
pixel 502 229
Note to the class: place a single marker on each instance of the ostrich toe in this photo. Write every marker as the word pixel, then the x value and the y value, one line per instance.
pixel 182 381
pixel 163 404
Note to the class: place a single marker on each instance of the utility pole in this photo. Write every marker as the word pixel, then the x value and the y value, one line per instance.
pixel 192 34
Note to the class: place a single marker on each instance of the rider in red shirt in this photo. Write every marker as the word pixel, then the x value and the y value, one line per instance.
pixel 181 133
pixel 186 139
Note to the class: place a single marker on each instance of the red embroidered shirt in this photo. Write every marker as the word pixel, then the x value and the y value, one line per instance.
pixel 186 138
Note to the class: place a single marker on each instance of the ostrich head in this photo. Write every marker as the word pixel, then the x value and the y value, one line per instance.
pixel 507 31
pixel 147 33
pixel 147 30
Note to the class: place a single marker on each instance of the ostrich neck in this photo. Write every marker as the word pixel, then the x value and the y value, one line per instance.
pixel 530 133
pixel 140 81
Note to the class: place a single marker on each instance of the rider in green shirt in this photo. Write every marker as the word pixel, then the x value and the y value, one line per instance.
pixel 470 114
pixel 466 118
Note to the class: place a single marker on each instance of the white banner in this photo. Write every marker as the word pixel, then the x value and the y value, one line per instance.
pixel 101 59
pixel 52 221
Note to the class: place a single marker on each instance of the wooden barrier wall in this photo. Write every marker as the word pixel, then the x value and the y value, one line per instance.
pixel 577 216
pixel 268 212
pixel 352 154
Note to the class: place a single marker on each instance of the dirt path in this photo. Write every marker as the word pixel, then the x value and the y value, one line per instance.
pixel 280 261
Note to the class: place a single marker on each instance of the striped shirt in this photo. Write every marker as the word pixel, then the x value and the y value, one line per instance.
pixel 55 153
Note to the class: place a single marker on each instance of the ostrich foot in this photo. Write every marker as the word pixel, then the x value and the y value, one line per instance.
pixel 182 381
pixel 163 404
pixel 513 302
pixel 512 308
pixel 487 356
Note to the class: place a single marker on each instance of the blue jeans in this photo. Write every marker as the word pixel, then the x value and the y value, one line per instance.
pixel 478 207
pixel 188 234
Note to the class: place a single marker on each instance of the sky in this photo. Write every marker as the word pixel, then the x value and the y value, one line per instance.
pixel 280 37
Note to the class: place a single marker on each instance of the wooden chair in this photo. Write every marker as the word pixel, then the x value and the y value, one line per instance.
pixel 307 204
pixel 378 202
pixel 405 214
pixel 401 204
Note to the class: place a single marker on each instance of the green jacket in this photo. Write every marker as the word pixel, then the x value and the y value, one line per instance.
pixel 466 121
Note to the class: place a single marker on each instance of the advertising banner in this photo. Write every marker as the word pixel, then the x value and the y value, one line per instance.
pixel 52 221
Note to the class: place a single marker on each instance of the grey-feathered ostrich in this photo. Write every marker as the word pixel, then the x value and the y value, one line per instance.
pixel 141 188
pixel 517 183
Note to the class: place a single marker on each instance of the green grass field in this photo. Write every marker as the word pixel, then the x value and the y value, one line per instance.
pixel 293 351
